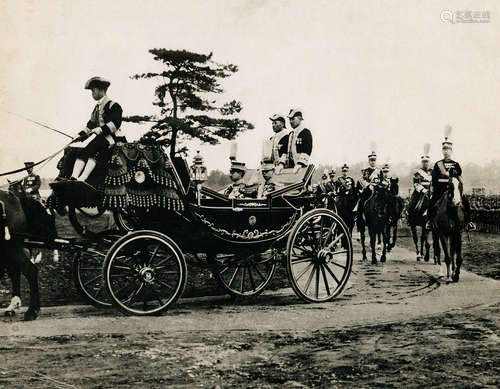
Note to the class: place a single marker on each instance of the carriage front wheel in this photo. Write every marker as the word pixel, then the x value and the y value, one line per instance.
pixel 319 256
pixel 145 272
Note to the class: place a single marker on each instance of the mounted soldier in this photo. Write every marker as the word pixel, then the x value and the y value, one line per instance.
pixel 443 170
pixel 279 140
pixel 31 183
pixel 299 144
pixel 422 179
pixel 345 183
pixel 104 124
pixel 325 190
pixel 385 178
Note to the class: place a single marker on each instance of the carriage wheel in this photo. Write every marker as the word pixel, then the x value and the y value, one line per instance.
pixel 87 273
pixel 319 256
pixel 129 219
pixel 244 275
pixel 145 272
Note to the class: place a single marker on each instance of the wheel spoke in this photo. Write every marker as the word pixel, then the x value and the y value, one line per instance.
pixel 317 281
pixel 154 254
pixel 332 274
pixel 310 278
pixel 233 276
pixel 243 279
pixel 302 260
pixel 331 231
pixel 335 241
pixel 164 284
pixel 259 273
pixel 337 264
pixel 88 282
pixel 134 294
pixel 251 277
pixel 325 280
pixel 304 271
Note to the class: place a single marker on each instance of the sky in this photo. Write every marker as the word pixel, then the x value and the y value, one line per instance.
pixel 389 73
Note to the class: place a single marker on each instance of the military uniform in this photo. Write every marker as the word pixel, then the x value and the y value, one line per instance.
pixel 345 185
pixel 267 187
pixel 31 185
pixel 236 190
pixel 369 176
pixel 421 183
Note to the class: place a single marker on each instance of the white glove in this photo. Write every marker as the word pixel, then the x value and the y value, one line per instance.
pixel 97 131
pixel 278 168
pixel 296 169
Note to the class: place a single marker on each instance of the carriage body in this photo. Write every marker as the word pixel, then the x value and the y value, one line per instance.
pixel 166 215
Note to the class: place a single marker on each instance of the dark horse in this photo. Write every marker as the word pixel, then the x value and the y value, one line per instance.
pixel 374 216
pixel 417 217
pixel 21 217
pixel 395 206
pixel 448 223
pixel 345 202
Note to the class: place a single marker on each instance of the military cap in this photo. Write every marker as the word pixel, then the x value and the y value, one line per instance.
pixel 372 155
pixel 294 112
pixel 385 168
pixel 425 157
pixel 29 164
pixel 331 172
pixel 279 117
pixel 240 166
pixel 97 81
pixel 266 165
pixel 345 168
pixel 447 144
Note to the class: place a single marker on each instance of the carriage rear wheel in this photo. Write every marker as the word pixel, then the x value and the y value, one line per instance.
pixel 87 272
pixel 319 256
pixel 145 272
pixel 244 275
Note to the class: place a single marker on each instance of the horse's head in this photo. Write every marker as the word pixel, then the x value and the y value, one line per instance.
pixel 17 188
pixel 455 192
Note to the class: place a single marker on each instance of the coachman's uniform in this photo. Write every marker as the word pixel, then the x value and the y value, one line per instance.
pixel 31 185
pixel 107 115
pixel 299 147
pixel 279 144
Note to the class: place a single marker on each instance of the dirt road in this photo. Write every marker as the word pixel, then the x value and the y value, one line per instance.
pixel 396 325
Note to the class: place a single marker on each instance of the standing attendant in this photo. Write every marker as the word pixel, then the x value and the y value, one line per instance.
pixel 279 140
pixel 299 144
pixel 104 123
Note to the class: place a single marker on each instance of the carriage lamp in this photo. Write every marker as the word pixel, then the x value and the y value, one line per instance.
pixel 139 177
pixel 198 169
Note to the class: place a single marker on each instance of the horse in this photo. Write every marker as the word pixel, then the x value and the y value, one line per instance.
pixel 21 217
pixel 395 206
pixel 448 224
pixel 345 202
pixel 375 217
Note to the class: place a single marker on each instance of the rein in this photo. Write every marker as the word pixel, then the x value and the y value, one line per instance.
pixel 37 163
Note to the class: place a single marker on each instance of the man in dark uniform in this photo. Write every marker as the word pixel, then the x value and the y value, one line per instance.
pixel 104 123
pixel 269 185
pixel 279 140
pixel 421 181
pixel 299 144
pixel 31 183
pixel 385 178
pixel 441 173
pixel 325 190
pixel 237 189
pixel 345 183
pixel 370 176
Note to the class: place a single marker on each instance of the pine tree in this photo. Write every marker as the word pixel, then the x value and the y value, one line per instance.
pixel 188 83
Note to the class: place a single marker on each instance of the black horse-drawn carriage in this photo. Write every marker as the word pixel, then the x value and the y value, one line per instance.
pixel 163 217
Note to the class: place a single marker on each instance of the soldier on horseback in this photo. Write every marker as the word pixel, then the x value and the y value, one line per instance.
pixel 345 183
pixel 443 170
pixel 369 177
pixel 31 183
pixel 326 190
pixel 422 179
pixel 104 123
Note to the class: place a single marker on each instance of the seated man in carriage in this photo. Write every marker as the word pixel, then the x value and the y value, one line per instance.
pixel 269 185
pixel 237 189
pixel 104 123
